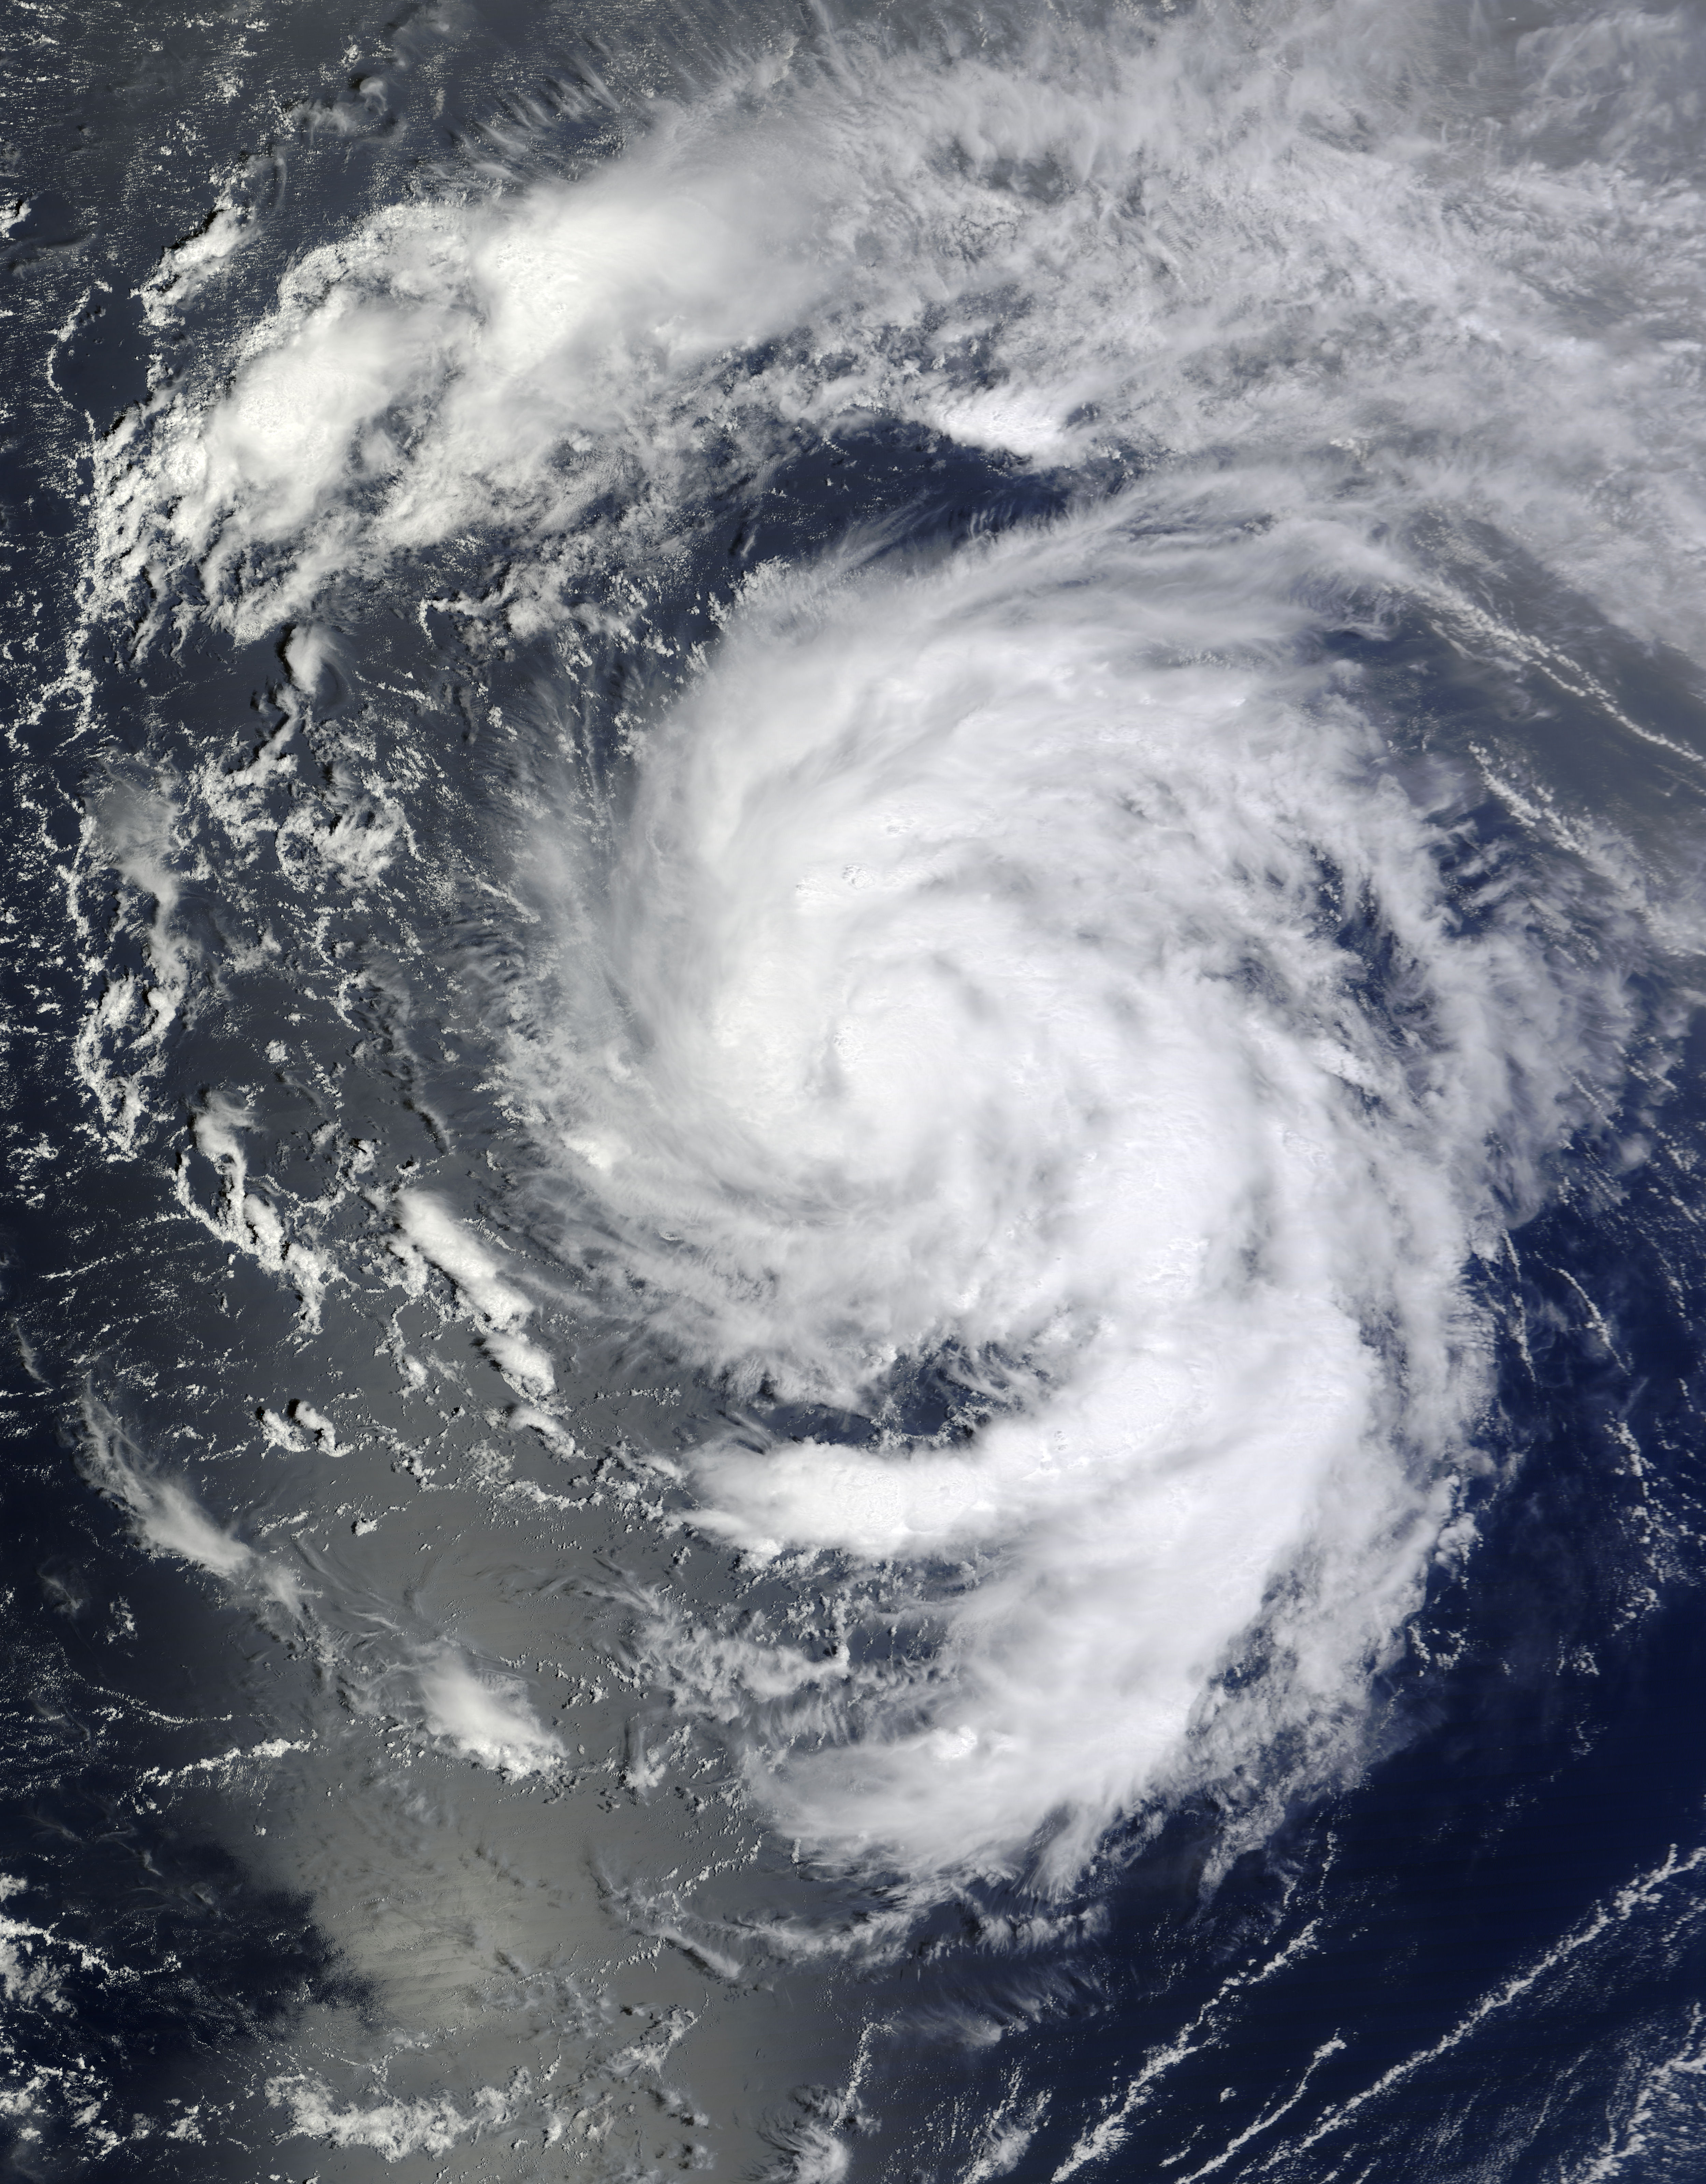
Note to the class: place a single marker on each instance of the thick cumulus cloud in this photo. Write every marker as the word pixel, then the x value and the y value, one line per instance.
pixel 1027 965
pixel 1026 969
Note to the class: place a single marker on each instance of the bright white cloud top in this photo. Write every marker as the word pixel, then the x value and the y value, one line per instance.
pixel 1035 964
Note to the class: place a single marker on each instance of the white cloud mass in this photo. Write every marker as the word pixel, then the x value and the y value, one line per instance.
pixel 1031 961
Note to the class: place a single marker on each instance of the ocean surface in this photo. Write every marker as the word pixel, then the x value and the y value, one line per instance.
pixel 854 906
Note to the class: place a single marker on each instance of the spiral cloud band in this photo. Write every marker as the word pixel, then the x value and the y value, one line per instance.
pixel 1032 965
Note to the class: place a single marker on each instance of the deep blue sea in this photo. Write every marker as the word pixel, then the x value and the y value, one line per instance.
pixel 854 1101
